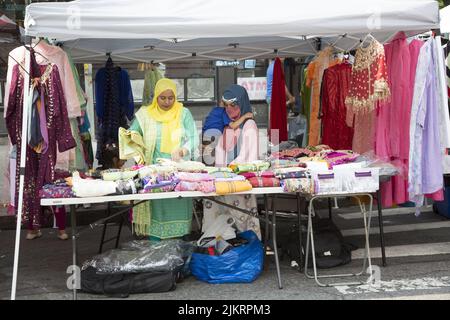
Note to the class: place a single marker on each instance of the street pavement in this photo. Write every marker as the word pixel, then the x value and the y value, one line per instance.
pixel 418 266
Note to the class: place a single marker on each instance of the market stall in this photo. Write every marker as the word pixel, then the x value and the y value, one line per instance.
pixel 90 30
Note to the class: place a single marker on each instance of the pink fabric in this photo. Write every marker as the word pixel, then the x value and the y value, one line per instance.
pixel 203 186
pixel 194 177
pixel 249 147
pixel 364 130
pixel 393 117
pixel 264 174
pixel 57 56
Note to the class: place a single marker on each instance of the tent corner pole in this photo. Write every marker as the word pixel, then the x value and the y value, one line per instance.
pixel 23 152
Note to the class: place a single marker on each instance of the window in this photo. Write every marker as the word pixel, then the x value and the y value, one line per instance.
pixel 180 89
pixel 201 89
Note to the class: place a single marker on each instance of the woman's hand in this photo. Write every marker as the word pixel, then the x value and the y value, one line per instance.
pixel 248 115
pixel 179 154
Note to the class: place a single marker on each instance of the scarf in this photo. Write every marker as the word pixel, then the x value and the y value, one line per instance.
pixel 170 119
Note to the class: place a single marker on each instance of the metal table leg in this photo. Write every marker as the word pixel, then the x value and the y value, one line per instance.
pixel 299 213
pixel 329 209
pixel 380 223
pixel 310 241
pixel 267 232
pixel 102 240
pixel 74 248
pixel 274 236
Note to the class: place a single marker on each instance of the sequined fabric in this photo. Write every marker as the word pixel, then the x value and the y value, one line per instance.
pixel 369 82
pixel 39 168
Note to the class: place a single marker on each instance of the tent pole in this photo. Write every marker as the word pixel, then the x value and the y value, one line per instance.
pixel 23 154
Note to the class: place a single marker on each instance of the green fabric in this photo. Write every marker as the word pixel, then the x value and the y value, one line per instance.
pixel 306 100
pixel 170 218
pixel 79 163
pixel 80 93
pixel 150 79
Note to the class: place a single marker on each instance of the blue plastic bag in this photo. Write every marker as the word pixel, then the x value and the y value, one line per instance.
pixel 242 264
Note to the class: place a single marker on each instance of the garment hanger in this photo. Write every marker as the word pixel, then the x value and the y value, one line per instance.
pixel 368 36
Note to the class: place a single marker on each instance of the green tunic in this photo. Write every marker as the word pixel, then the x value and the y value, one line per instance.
pixel 170 218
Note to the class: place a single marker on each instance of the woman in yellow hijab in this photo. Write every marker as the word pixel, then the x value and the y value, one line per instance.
pixel 164 129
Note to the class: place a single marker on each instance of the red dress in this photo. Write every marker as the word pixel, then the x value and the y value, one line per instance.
pixel 335 86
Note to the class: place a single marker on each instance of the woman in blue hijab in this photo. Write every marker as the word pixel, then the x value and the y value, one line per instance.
pixel 239 145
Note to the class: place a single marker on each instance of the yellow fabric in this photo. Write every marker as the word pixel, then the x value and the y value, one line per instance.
pixel 171 119
pixel 227 187
pixel 131 145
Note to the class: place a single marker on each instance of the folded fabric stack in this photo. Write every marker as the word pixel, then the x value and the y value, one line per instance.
pixel 202 182
pixel 301 185
pixel 250 167
pixel 340 157
pixel 227 187
pixel 286 163
pixel 293 153
pixel 59 189
pixel 264 182
pixel 212 170
pixel 227 176
pixel 183 166
pixel 117 174
pixel 159 183
pixel 263 174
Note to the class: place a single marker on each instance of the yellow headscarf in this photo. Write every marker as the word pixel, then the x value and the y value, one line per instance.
pixel 171 119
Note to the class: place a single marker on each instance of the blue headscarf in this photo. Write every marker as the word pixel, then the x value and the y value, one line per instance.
pixel 239 95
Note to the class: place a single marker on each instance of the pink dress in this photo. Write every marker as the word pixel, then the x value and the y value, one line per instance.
pixel 393 116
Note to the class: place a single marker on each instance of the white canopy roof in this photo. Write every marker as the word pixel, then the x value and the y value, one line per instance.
pixel 212 29
pixel 445 19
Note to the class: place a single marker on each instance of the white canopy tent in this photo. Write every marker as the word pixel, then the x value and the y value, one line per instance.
pixel 145 31
pixel 445 19
pixel 203 29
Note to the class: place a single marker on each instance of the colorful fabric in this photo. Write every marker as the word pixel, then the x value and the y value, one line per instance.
pixel 223 175
pixel 280 171
pixel 170 119
pixel 280 163
pixel 298 185
pixel 292 175
pixel 202 186
pixel 223 188
pixel 212 170
pixel 264 174
pixel 194 177
pixel 336 157
pixel 152 76
pixel 261 182
pixel 39 168
pixel 369 82
pixel 117 174
pixel 250 167
pixel 335 86
pixel 56 190
pixel 236 178
pixel 314 81
pixel 293 153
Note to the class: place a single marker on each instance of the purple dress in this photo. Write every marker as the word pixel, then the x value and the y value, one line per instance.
pixel 39 167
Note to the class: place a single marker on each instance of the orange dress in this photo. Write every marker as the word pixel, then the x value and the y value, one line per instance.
pixel 314 81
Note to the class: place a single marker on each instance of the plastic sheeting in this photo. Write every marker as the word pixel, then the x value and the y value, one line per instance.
pixel 142 256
